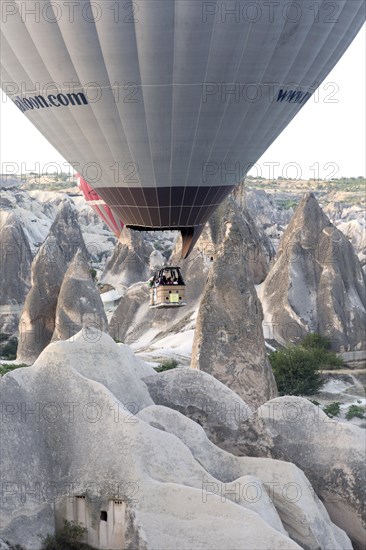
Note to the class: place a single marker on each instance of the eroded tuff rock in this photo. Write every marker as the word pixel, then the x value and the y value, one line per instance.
pixel 226 418
pixel 355 231
pixel 331 454
pixel 96 356
pixel 130 260
pixel 228 341
pixel 132 485
pixel 79 304
pixel 15 269
pixel 259 225
pixel 133 317
pixel 305 518
pixel 253 246
pixel 37 322
pixel 316 283
pixel 264 209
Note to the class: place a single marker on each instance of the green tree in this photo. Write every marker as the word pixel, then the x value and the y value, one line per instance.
pixel 296 371
pixel 356 411
pixel 315 340
pixel 296 368
pixel 6 367
pixel 320 346
pixel 168 364
pixel 332 409
pixel 68 538
pixel 9 351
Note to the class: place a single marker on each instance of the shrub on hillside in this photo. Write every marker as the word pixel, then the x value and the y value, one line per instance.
pixel 168 364
pixel 68 538
pixel 314 340
pixel 9 351
pixel 332 409
pixel 296 368
pixel 296 371
pixel 320 345
pixel 356 411
pixel 5 367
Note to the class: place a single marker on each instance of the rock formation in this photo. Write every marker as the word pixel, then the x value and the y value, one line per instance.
pixel 228 340
pixel 252 246
pixel 99 359
pixel 79 304
pixel 129 263
pixel 331 454
pixel 78 452
pixel 264 209
pixel 123 326
pixel 132 317
pixel 37 322
pixel 225 417
pixel 156 260
pixel 15 269
pixel 252 203
pixel 299 516
pixel 355 231
pixel 316 283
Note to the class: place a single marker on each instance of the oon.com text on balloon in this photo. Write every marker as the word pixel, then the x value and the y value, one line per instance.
pixel 59 100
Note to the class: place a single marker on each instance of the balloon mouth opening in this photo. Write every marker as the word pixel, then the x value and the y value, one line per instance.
pixel 190 235
pixel 160 228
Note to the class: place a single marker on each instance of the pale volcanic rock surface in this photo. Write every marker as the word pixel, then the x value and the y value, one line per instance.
pixel 37 322
pixel 129 262
pixel 79 304
pixel 316 283
pixel 15 262
pixel 331 454
pixel 86 439
pixel 228 341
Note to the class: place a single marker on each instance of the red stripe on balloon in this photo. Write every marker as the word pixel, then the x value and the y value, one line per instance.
pixel 102 209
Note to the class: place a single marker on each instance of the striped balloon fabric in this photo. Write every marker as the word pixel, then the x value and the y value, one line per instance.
pixel 100 207
pixel 163 106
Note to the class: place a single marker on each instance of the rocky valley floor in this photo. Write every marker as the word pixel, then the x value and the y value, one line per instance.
pixel 205 455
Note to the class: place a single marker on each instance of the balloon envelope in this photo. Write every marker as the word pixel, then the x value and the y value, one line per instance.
pixel 164 105
pixel 100 207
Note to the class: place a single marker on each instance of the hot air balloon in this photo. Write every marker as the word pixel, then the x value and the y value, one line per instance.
pixel 164 105
pixel 100 207
pixel 167 288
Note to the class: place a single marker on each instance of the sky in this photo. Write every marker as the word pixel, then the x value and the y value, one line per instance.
pixel 326 139
pixel 328 135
